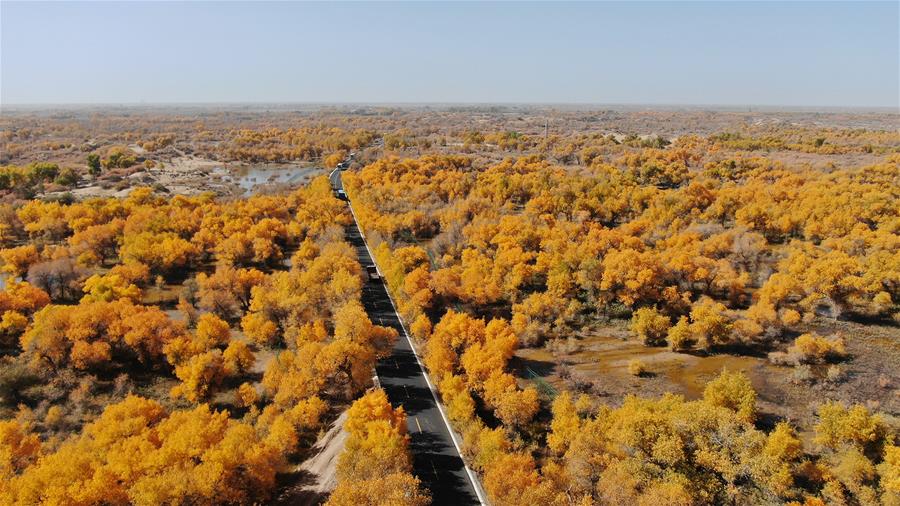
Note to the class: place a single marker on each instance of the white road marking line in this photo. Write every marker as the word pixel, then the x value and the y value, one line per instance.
pixel 417 424
pixel 472 479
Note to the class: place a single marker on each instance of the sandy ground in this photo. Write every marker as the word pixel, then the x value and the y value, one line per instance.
pixel 190 175
pixel 598 363
pixel 316 476
pixel 323 464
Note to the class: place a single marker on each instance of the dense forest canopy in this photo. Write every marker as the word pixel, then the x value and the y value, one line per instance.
pixel 170 336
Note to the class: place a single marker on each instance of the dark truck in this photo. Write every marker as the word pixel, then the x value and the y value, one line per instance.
pixel 372 271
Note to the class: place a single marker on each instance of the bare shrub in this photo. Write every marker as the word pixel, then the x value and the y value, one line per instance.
pixel 121 385
pixel 835 374
pixel 15 377
pixel 564 346
pixel 803 374
pixel 62 278
pixel 782 358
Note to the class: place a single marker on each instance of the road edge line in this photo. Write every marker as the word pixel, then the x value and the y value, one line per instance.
pixel 475 483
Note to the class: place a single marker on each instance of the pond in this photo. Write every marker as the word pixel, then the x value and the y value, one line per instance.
pixel 605 359
pixel 251 177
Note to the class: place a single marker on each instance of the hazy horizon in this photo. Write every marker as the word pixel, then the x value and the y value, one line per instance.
pixel 439 105
pixel 795 55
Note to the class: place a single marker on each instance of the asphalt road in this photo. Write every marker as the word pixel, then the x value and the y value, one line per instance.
pixel 436 460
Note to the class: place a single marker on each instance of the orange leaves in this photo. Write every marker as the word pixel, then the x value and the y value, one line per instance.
pixel 511 479
pixel 352 323
pixel 552 243
pixel 162 252
pixel 732 390
pixel 259 329
pixel 294 376
pixel 247 396
pixel 96 243
pixel 137 453
pixel 813 348
pixel 108 288
pixel 541 316
pixel 237 358
pixel 460 329
pixel 200 363
pixel 374 466
pixel 372 407
pixel 333 159
pixel 633 275
pixel 379 450
pixel 19 448
pixel 126 329
pixel 43 220
pixel 393 489
pixel 253 242
pixel 22 298
pixel 650 325
pixel 453 332
pixel 480 360
pixel 417 287
pixel 12 324
pixel 825 278
pixel 211 331
pixel 456 396
pixel 304 143
pixel 87 355
pixel 227 292
pixel 132 272
pixel 482 351
pixel 198 375
pixel 476 281
pixel 856 426
pixel 709 324
pixel 16 261
pixel 565 424
pixel 514 407
pixel 343 362
pixel 440 358
pixel 287 299
pixel 420 328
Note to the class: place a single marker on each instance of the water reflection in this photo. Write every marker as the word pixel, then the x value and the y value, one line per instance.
pixel 249 178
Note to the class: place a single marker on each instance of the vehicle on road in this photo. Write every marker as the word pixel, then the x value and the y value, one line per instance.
pixel 372 271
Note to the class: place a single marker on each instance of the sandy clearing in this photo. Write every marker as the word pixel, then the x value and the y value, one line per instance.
pixel 318 472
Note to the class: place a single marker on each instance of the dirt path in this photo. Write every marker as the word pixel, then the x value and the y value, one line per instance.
pixel 316 476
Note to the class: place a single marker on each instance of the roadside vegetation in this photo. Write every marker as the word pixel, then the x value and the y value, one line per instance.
pixel 160 350
pixel 615 307
pixel 726 256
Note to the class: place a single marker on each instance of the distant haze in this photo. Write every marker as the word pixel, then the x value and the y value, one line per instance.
pixel 831 54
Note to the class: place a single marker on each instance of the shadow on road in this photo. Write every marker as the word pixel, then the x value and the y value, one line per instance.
pixel 435 459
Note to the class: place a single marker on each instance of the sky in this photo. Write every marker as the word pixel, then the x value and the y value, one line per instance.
pixel 813 54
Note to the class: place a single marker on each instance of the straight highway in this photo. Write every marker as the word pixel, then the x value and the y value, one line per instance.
pixel 436 458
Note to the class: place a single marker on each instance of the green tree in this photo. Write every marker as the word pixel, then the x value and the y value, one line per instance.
pixel 93 162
